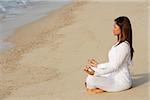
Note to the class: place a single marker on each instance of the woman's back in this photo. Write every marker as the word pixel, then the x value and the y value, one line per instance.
pixel 120 57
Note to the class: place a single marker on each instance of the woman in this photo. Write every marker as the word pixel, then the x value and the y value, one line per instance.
pixel 113 75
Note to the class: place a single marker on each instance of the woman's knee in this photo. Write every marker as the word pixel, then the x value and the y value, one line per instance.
pixel 89 82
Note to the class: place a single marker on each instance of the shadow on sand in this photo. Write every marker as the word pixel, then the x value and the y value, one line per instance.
pixel 140 79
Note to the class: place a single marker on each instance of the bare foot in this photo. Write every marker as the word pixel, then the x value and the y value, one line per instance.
pixel 95 91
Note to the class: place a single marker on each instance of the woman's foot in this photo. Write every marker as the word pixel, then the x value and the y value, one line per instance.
pixel 95 91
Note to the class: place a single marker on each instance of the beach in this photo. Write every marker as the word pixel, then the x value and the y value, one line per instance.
pixel 16 13
pixel 47 60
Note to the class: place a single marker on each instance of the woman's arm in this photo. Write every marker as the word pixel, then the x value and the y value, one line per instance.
pixel 117 58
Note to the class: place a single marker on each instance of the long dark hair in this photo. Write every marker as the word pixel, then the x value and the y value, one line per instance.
pixel 126 31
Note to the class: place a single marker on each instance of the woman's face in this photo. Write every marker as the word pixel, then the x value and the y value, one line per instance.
pixel 116 30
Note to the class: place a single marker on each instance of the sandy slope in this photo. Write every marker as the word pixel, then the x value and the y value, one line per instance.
pixel 48 59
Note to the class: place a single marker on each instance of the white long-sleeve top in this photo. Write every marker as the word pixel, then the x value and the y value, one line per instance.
pixel 117 67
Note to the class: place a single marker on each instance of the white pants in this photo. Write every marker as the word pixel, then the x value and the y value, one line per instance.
pixel 104 83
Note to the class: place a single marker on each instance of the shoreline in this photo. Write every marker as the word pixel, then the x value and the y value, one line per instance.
pixel 49 53
pixel 8 63
pixel 35 13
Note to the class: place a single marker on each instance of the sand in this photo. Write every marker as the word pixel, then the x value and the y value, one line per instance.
pixel 47 61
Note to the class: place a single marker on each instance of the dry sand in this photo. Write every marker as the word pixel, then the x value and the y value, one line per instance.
pixel 47 62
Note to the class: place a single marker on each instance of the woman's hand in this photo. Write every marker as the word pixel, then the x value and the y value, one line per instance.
pixel 93 62
pixel 89 70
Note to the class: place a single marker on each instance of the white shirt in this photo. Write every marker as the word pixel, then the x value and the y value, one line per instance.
pixel 117 68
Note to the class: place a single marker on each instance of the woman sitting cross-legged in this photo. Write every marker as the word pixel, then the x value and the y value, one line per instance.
pixel 114 75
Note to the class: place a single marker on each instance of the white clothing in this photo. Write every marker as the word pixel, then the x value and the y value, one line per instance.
pixel 114 75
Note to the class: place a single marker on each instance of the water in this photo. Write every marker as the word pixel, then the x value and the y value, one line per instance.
pixel 15 13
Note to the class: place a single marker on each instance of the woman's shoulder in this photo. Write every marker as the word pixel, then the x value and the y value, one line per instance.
pixel 124 45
